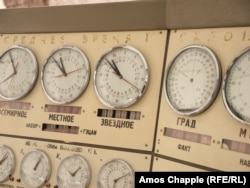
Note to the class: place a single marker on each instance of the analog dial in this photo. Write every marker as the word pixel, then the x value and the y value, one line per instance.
pixel 235 89
pixel 192 80
pixel 73 171
pixel 65 74
pixel 35 169
pixel 7 162
pixel 121 77
pixel 18 72
pixel 116 173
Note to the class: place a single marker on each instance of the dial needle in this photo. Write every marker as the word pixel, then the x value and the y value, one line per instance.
pixel 69 72
pixel 118 73
pixel 37 163
pixel 74 173
pixel 14 73
pixel 12 62
pixel 117 179
pixel 61 67
pixel 4 158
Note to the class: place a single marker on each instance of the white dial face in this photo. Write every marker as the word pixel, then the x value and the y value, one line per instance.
pixel 192 80
pixel 73 171
pixel 65 75
pixel 236 91
pixel 7 162
pixel 121 77
pixel 116 173
pixel 35 169
pixel 18 72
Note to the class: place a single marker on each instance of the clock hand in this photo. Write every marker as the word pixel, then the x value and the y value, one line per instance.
pixel 70 72
pixel 61 68
pixel 118 73
pixel 4 158
pixel 74 173
pixel 12 62
pixel 14 73
pixel 117 179
pixel 114 67
pixel 37 163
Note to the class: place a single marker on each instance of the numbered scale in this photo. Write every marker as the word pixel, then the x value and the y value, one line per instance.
pixel 18 72
pixel 121 77
pixel 192 80
pixel 236 94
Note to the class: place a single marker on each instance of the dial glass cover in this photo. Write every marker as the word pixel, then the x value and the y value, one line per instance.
pixel 7 162
pixel 65 74
pixel 192 80
pixel 18 72
pixel 236 90
pixel 121 77
pixel 73 171
pixel 116 173
pixel 35 169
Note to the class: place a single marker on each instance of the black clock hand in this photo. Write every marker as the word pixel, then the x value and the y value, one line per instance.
pixel 61 68
pixel 114 67
pixel 12 62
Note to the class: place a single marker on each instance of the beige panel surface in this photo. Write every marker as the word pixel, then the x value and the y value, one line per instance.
pixel 92 129
pixel 215 122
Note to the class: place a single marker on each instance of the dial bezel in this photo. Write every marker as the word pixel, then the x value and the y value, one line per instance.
pixel 23 162
pixel 215 91
pixel 85 84
pixel 34 72
pixel 233 113
pixel 86 166
pixel 115 160
pixel 130 101
pixel 13 162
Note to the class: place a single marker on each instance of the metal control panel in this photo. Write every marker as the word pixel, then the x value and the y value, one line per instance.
pixel 88 110
pixel 212 139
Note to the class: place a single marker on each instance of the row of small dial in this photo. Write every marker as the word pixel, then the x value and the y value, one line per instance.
pixel 73 170
pixel 120 78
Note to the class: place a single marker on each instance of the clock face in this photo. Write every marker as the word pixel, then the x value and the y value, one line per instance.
pixel 235 90
pixel 116 173
pixel 18 72
pixel 192 80
pixel 121 77
pixel 65 74
pixel 73 171
pixel 7 162
pixel 35 169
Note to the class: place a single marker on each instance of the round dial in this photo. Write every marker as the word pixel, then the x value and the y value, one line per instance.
pixel 73 171
pixel 235 89
pixel 35 169
pixel 192 80
pixel 7 162
pixel 65 74
pixel 18 72
pixel 121 77
pixel 116 173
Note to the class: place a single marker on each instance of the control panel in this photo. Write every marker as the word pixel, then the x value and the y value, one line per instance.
pixel 88 108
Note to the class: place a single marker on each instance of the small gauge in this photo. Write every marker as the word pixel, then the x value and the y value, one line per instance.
pixel 73 171
pixel 65 74
pixel 18 72
pixel 121 77
pixel 7 162
pixel 116 173
pixel 192 80
pixel 35 169
pixel 235 88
